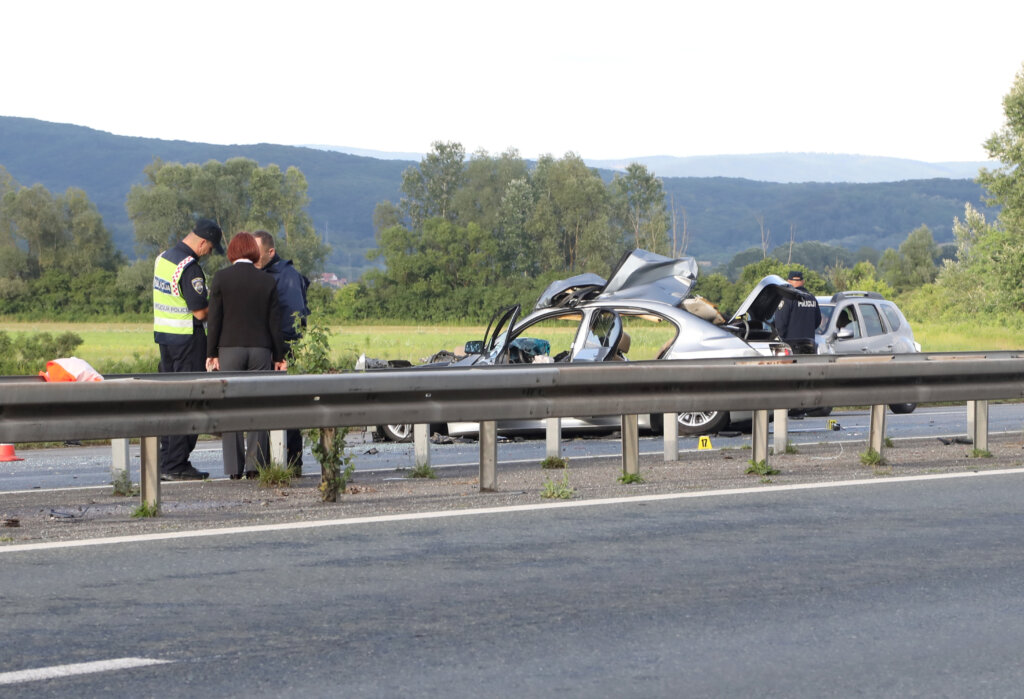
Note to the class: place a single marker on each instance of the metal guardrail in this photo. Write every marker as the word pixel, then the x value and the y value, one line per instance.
pixel 156 405
pixel 210 403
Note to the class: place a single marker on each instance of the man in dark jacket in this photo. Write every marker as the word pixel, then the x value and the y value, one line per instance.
pixel 291 296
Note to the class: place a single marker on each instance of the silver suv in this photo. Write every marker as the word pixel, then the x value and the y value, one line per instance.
pixel 863 322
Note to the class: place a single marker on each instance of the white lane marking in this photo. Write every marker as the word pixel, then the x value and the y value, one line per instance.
pixel 225 531
pixel 47 673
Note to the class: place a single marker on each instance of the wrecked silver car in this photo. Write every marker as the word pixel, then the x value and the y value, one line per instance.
pixel 644 311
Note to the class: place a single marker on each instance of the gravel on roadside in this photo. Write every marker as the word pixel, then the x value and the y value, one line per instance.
pixel 87 513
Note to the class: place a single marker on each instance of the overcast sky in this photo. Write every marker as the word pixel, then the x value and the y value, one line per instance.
pixel 908 79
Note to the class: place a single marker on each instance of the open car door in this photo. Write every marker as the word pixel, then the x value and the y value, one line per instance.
pixel 496 344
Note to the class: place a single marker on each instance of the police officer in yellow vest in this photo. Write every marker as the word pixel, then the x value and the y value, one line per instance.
pixel 180 305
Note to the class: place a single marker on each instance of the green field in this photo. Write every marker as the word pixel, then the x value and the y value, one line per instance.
pixel 109 343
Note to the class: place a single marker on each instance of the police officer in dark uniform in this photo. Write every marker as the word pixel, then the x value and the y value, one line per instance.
pixel 798 318
pixel 180 306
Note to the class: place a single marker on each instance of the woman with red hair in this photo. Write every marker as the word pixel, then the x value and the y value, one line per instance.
pixel 244 334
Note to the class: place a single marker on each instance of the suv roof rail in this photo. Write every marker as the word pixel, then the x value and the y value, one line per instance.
pixel 856 295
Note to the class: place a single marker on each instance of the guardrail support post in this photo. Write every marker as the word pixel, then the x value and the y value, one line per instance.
pixel 421 444
pixel 670 432
pixel 979 426
pixel 149 471
pixel 759 436
pixel 781 431
pixel 876 430
pixel 553 437
pixel 488 456
pixel 630 444
pixel 278 455
pixel 119 461
pixel 970 418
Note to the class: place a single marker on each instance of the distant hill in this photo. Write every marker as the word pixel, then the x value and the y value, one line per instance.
pixel 801 167
pixel 722 212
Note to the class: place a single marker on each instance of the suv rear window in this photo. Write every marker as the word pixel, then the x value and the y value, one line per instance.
pixel 892 315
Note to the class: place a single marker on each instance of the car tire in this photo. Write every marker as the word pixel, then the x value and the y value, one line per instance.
pixel 819 412
pixel 902 408
pixel 698 423
pixel 396 433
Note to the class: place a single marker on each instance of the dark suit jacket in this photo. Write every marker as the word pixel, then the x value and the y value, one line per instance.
pixel 244 311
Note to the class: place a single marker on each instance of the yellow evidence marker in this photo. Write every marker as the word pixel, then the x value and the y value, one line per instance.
pixel 704 442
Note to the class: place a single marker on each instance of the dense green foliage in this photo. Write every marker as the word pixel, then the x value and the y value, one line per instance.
pixel 987 274
pixel 58 260
pixel 27 354
pixel 238 194
pixel 470 236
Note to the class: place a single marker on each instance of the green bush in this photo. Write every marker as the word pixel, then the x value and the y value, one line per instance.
pixel 27 354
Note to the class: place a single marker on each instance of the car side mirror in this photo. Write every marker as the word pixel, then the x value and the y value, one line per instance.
pixel 474 347
pixel 844 334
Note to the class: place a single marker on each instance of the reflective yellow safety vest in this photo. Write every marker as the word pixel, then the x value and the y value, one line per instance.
pixel 170 312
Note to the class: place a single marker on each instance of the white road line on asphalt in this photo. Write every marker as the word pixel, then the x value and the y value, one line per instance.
pixel 632 499
pixel 48 673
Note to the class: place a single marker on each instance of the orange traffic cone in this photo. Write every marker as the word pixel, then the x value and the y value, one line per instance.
pixel 7 453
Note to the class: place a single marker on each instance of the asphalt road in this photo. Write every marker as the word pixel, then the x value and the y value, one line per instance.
pixel 66 467
pixel 883 589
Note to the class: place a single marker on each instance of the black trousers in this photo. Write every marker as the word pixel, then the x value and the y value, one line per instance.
pixel 175 450
pixel 293 438
pixel 803 346
pixel 252 452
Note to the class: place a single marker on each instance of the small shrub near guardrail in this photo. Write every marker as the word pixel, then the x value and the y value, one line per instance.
pixel 146 510
pixel 872 458
pixel 761 468
pixel 422 471
pixel 554 462
pixel 123 485
pixel 274 475
pixel 557 489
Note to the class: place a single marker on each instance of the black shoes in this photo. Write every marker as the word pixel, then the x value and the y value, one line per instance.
pixel 186 474
pixel 249 475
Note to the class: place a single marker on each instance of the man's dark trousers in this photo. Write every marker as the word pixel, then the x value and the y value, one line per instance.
pixel 190 356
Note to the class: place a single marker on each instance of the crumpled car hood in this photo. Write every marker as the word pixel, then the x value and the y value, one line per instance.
pixel 639 275
pixel 647 275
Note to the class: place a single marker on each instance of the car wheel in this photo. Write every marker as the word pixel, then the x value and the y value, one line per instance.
pixel 819 412
pixel 397 433
pixel 692 424
pixel 902 408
